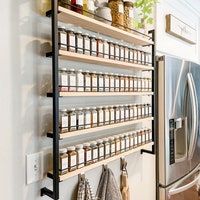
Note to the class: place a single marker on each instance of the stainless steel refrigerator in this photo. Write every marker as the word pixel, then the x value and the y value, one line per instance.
pixel 179 130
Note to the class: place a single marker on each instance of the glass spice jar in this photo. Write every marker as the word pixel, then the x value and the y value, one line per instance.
pixel 64 121
pixel 131 111
pixel 112 82
pixel 86 42
pixel 143 110
pixel 100 79
pixel 71 40
pixel 93 45
pixel 106 148
pixel 139 57
pixel 94 148
pixel 117 12
pixel 111 50
pixel 106 48
pixel 146 110
pixel 131 83
pixel 62 38
pixel 143 84
pixel 79 42
pixel 131 138
pixel 88 8
pixel 112 146
pixel 100 149
pixel 80 119
pixel 128 15
pixel 150 110
pixel 88 153
pixel 135 84
pixel 122 82
pixel 87 81
pixel 122 52
pixel 100 50
pixel 117 51
pixel 117 85
pixel 72 119
pixel 149 84
pixel 135 138
pixel 72 158
pixel 100 115
pixel 106 82
pixel 122 143
pixel 79 81
pixel 139 137
pixel 63 80
pixel 139 111
pixel 143 57
pixel 126 54
pixel 72 80
pixel 150 134
pixel 94 117
pixel 127 141
pixel 117 144
pixel 94 81
pixel 135 111
pixel 139 84
pixel 112 115
pixel 143 136
pixel 106 115
pixel 117 113
pixel 77 6
pixel 131 55
pixel 122 113
pixel 126 80
pixel 80 156
pixel 126 112
pixel 63 161
pixel 135 56
pixel 87 117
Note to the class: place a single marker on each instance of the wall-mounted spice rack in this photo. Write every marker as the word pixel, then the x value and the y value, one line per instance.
pixel 67 16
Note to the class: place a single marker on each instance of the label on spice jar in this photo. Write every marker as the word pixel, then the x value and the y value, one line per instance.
pixel 87 81
pixel 135 83
pixel 100 82
pixel 101 116
pixel 73 120
pixel 112 82
pixel 73 160
pixel 117 114
pixel 131 141
pixel 126 54
pixel 122 144
pixel 127 113
pixel 131 83
pixel 64 163
pixel 136 140
pixel 112 50
pixel 87 44
pixel 88 155
pixel 106 48
pixel 94 81
pixel 107 83
pixel 95 154
pixel 94 46
pixel 72 40
pixel 117 82
pixel 79 2
pixel 127 82
pixel 131 55
pixel 127 142
pixel 131 113
pixel 112 115
pixel 101 47
pixel 72 80
pixel 64 80
pixel 80 43
pixel 113 148
pixel 107 116
pixel 122 113
pixel 121 8
pixel 64 122
pixel 117 51
pixel 101 152
pixel 107 151
pixel 131 13
pixel 122 52
pixel 63 38
pixel 80 80
pixel 81 158
pixel 118 146
pixel 122 83
pixel 81 119
pixel 88 118
pixel 95 118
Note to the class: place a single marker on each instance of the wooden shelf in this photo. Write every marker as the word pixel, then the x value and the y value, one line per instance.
pixel 100 163
pixel 98 94
pixel 100 128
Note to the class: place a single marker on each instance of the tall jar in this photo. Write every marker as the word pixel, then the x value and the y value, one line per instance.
pixel 87 117
pixel 111 50
pixel 72 119
pixel 63 161
pixel 86 49
pixel 72 155
pixel 126 53
pixel 80 119
pixel 121 52
pixel 94 81
pixel 64 120
pixel 117 12
pixel 100 82
pixel 80 81
pixel 122 115
pixel 107 82
pixel 87 81
pixel 122 143
pixel 106 148
pixel 88 8
pixel 112 146
pixel 127 141
pixel 122 83
pixel 63 80
pixel 112 82
pixel 117 144
pixel 106 115
pixel 62 38
pixel 117 113
pixel 128 15
pixel 79 42
pixel 131 83
pixel 100 115
pixel 106 49
pixel 72 80
pixel 117 83
pixel 80 156
pixel 77 6
pixel 88 153
pixel 131 111
pixel 127 112
pixel 100 48
pixel 94 117
pixel 131 138
pixel 117 52
pixel 94 148
pixel 112 115
pixel 126 88
pixel 100 149
pixel 71 40
pixel 93 45
pixel 135 84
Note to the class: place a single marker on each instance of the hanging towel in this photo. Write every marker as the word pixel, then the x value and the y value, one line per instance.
pixel 84 190
pixel 108 188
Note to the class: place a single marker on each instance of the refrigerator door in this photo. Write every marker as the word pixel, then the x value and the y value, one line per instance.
pixel 173 136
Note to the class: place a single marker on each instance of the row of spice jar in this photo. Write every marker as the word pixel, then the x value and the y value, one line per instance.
pixel 78 119
pixel 96 46
pixel 79 81
pixel 81 155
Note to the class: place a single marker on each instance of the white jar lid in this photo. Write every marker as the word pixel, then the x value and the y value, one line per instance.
pixel 99 141
pixel 111 138
pixel 86 144
pixel 93 143
pixel 79 146
pixel 63 69
pixel 105 139
pixel 79 109
pixel 63 110
pixel 62 151
pixel 72 148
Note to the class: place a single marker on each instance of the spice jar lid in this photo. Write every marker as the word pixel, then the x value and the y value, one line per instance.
pixel 72 70
pixel 87 71
pixel 80 70
pixel 79 146
pixel 72 109
pixel 105 139
pixel 63 69
pixel 87 108
pixel 86 144
pixel 72 148
pixel 94 72
pixel 80 32
pixel 100 73
pixel 121 135
pixel 71 29
pixel 94 36
pixel 79 109
pixel 111 138
pixel 93 143
pixel 93 108
pixel 99 141
pixel 62 151
pixel 63 110
pixel 116 136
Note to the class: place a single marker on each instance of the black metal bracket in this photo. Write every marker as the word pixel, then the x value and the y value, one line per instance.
pixel 148 151
pixel 47 192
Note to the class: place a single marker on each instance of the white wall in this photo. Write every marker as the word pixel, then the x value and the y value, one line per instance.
pixel 25 111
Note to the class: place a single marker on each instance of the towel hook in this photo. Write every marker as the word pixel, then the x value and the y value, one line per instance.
pixel 124 165
pixel 81 177
pixel 105 167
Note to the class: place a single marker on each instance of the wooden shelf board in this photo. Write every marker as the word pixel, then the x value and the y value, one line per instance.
pixel 98 94
pixel 100 163
pixel 101 61
pixel 68 16
pixel 101 128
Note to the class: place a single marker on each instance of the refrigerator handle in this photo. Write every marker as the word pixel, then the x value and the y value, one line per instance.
pixel 195 116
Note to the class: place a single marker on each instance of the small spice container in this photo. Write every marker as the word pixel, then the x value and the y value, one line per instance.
pixel 112 146
pixel 139 84
pixel 117 12
pixel 106 115
pixel 63 120
pixel 117 144
pixel 145 89
pixel 135 56
pixel 72 158
pixel 106 48
pixel 112 115
pixel 88 8
pixel 143 136
pixel 94 81
pixel 94 148
pixel 63 161
pixel 100 114
pixel 135 84
pixel 139 137
pixel 127 86
pixel 86 44
pixel 131 86
pixel 62 38
pixel 93 45
pixel 107 82
pixel 143 57
pixel 72 80
pixel 88 153
pixel 80 156
pixel 111 50
pixel 87 117
pixel 146 110
pixel 87 81
pixel 79 42
pixel 150 134
pixel 139 57
pixel 127 141
pixel 131 111
pixel 77 6
pixel 100 149
pixel 100 78
pixel 135 138
pixel 135 111
pixel 126 54
pixel 94 117
pixel 139 111
pixel 117 113
pixel 128 15
pixel 63 80
pixel 131 55
pixel 116 76
pixel 100 50
pixel 71 40
pixel 72 119
pixel 122 143
pixel 143 110
pixel 80 119
pixel 112 82
pixel 126 112
pixel 122 52
pixel 146 135
pixel 122 83
pixel 117 54
pixel 106 148
pixel 122 113
pixel 150 110
pixel 149 84
pixel 143 85
pixel 80 81
pixel 131 138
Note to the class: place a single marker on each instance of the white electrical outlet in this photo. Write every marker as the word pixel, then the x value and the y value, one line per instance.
pixel 34 167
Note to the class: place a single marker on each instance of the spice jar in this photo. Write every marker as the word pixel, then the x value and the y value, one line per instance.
pixel 112 115
pixel 150 134
pixel 100 82
pixel 94 117
pixel 135 111
pixel 100 149
pixel 72 119
pixel 139 79
pixel 127 141
pixel 87 117
pixel 139 57
pixel 62 38
pixel 63 161
pixel 72 80
pixel 146 135
pixel 117 12
pixel 106 115
pixel 131 111
pixel 107 82
pixel 135 56
pixel 139 111
pixel 93 44
pixel 86 43
pixel 143 136
pixel 116 77
pixel 106 48
pixel 117 144
pixel 94 148
pixel 87 81
pixel 88 153
pixel 146 110
pixel 80 156
pixel 131 138
pixel 72 158
pixel 122 115
pixel 88 8
pixel 117 54
pixel 122 143
pixel 117 113
pixel 65 3
pixel 149 84
pixel 79 42
pixel 139 137
pixel 112 82
pixel 135 84
pixel 106 148
pixel 100 44
pixel 80 81
pixel 143 84
pixel 122 82
pixel 94 81
pixel 150 110
pixel 103 13
pixel 131 55
pixel 143 110
pixel 143 57
pixel 128 15
pixel 135 138
pixel 100 116
pixel 122 52
pixel 63 120
pixel 80 119
pixel 71 40
pixel 126 80
pixel 131 86
pixel 63 80
pixel 127 112
pixel 111 50
pixel 112 146
pixel 126 54
pixel 77 6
